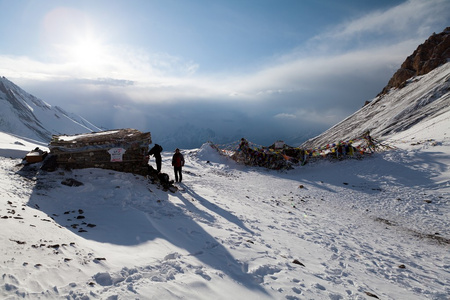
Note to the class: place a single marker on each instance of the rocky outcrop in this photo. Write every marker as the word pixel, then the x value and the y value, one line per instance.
pixel 434 52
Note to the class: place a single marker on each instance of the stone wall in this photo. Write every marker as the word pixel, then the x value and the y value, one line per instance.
pixel 95 150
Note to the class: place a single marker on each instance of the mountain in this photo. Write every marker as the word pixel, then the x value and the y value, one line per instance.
pixel 423 94
pixel 434 52
pixel 189 136
pixel 27 116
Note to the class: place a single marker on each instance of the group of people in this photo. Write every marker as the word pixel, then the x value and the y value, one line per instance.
pixel 177 161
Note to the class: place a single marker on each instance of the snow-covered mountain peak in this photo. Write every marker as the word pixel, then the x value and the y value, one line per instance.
pixel 26 115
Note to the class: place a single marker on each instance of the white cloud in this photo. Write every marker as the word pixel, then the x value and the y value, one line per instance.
pixel 143 76
pixel 285 116
pixel 411 18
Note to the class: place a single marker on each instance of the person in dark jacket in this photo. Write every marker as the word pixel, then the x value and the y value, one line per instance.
pixel 178 163
pixel 156 152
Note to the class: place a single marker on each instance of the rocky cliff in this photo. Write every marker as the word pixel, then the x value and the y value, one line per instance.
pixel 434 52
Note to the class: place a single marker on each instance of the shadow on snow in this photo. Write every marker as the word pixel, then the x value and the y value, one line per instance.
pixel 124 209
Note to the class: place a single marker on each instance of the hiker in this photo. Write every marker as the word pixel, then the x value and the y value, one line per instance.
pixel 177 163
pixel 156 152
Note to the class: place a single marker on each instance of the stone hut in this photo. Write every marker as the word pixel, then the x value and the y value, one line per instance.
pixel 123 150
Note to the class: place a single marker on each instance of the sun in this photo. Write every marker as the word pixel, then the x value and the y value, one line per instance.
pixel 87 52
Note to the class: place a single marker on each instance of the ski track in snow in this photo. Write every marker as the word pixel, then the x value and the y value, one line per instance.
pixel 230 232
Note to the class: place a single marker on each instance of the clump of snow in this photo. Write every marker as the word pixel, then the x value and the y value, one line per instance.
pixel 210 153
pixel 17 147
pixel 68 138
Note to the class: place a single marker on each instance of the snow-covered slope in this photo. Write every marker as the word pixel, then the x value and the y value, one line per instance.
pixel 423 99
pixel 25 115
pixel 12 146
pixel 353 229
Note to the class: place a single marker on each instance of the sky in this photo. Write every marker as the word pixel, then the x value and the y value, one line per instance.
pixel 264 70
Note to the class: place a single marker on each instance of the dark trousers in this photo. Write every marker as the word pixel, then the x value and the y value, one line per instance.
pixel 158 163
pixel 177 171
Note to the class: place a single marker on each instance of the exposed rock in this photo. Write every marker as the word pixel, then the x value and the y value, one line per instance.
pixel 297 262
pixel 371 295
pixel 18 242
pixel 71 182
pixel 434 52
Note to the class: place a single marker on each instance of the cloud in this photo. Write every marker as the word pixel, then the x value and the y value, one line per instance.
pixel 106 82
pixel 285 116
pixel 406 20
pixel 313 85
pixel 156 77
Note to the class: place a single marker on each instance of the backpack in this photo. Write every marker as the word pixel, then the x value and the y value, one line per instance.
pixel 163 178
pixel 157 149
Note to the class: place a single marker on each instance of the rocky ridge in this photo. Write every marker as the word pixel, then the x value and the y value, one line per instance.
pixel 434 52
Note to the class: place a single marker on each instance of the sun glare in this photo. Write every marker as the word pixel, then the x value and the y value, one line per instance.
pixel 87 52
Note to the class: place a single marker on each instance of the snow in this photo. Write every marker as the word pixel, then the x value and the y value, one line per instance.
pixel 350 229
pixel 68 138
pixel 327 230
pixel 17 147
pixel 25 115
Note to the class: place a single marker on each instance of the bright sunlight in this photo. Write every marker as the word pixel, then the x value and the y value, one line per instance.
pixel 87 52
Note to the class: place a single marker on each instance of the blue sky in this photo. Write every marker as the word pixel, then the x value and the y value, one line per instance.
pixel 264 70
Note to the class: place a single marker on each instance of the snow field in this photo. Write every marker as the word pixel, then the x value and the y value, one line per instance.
pixel 328 230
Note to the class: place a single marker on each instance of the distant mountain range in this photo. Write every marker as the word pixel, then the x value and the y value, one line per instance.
pixel 27 116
